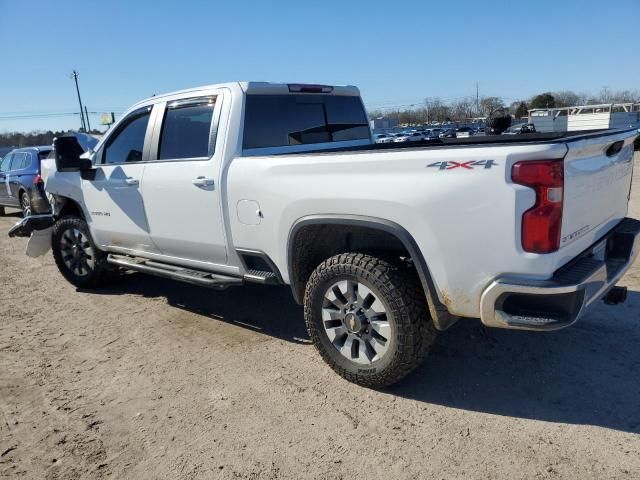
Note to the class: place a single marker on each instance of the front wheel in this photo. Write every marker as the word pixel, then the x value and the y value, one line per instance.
pixel 76 255
pixel 368 318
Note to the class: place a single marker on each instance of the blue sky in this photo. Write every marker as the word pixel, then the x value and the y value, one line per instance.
pixel 398 53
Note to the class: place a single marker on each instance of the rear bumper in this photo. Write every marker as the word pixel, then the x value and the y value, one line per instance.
pixel 558 302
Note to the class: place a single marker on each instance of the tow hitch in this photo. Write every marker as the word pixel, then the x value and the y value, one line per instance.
pixel 615 296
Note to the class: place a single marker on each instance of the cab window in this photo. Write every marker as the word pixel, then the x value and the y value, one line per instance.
pixel 186 129
pixel 279 120
pixel 127 143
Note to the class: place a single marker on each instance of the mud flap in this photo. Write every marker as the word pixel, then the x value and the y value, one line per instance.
pixel 39 243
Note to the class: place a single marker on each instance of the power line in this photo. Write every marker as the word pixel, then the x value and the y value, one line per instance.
pixel 38 115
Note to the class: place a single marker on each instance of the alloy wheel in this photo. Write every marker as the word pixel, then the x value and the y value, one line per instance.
pixel 77 253
pixel 355 321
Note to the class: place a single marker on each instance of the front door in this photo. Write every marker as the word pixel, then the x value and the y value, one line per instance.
pixel 180 185
pixel 113 200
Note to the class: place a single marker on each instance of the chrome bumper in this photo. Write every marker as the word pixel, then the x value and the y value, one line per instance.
pixel 558 302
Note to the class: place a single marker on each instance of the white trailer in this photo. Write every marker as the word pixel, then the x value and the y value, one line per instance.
pixel 586 117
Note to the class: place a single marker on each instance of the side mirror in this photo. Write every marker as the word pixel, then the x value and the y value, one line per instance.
pixel 68 152
pixel 87 172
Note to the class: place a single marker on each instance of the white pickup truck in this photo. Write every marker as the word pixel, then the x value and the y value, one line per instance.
pixel 384 244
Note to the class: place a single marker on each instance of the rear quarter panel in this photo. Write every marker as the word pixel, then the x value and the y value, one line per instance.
pixel 466 221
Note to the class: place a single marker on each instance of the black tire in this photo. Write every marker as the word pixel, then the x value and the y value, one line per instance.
pixel 1 211
pixel 25 204
pixel 399 289
pixel 86 276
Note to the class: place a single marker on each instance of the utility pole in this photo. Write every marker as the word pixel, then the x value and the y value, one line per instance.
pixel 86 114
pixel 74 75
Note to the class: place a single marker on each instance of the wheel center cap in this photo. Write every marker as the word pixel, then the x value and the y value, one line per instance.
pixel 352 322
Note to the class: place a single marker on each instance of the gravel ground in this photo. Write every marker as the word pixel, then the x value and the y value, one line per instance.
pixel 154 379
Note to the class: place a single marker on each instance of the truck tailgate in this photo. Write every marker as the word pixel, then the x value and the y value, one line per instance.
pixel 597 180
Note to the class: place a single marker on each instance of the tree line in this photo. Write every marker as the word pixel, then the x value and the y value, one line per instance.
pixel 435 109
pixel 35 138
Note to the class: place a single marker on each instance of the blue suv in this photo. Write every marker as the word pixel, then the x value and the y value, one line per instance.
pixel 21 185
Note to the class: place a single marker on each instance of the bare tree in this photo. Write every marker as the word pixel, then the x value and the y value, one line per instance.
pixel 490 104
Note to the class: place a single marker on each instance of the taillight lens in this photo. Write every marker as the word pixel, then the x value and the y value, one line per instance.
pixel 37 180
pixel 541 224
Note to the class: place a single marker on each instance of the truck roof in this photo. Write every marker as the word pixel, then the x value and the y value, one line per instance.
pixel 264 88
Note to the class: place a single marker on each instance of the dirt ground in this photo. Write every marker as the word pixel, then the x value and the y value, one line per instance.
pixel 155 379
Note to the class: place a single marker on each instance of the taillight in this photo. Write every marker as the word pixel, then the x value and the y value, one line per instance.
pixel 541 224
pixel 37 180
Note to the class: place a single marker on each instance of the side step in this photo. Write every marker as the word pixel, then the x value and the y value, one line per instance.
pixel 196 277
pixel 260 276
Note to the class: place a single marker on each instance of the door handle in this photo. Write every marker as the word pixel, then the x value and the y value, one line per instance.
pixel 203 182
pixel 131 181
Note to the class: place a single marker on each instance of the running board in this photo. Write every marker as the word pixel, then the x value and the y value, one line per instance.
pixel 196 277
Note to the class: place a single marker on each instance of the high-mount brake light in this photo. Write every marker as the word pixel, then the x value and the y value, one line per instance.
pixel 301 88
pixel 542 223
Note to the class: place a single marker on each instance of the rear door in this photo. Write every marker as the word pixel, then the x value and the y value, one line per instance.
pixel 181 182
pixel 597 181
pixel 19 173
pixel 12 176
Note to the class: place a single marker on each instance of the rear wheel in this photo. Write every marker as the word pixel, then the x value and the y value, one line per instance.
pixel 368 318
pixel 76 255
pixel 25 204
pixel 1 211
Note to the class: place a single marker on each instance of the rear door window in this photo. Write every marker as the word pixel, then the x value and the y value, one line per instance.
pixel 280 120
pixel 19 160
pixel 186 129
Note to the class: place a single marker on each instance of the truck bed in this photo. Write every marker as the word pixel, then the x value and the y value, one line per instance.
pixel 478 141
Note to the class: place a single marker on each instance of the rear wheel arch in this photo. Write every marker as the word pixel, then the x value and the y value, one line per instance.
pixel 313 239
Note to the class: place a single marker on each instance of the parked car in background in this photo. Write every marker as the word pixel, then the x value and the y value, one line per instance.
pixel 410 137
pixel 463 132
pixel 401 137
pixel 21 185
pixel 383 138
pixel 520 129
pixel 448 133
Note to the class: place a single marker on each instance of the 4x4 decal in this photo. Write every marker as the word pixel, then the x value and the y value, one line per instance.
pixel 470 165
